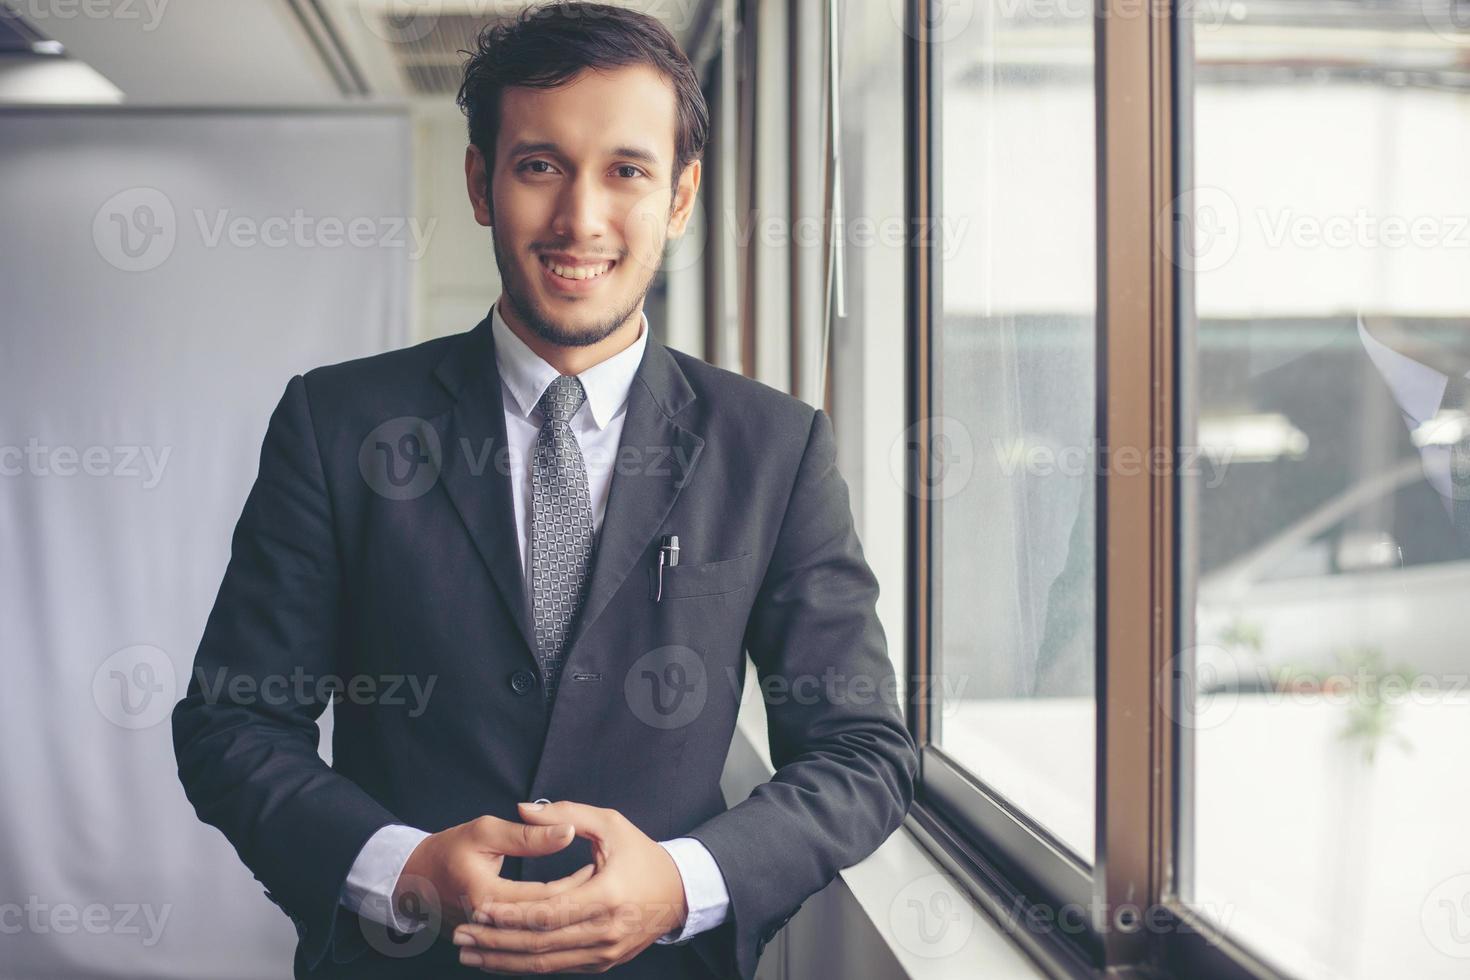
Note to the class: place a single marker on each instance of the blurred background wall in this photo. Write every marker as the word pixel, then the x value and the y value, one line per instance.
pixel 175 270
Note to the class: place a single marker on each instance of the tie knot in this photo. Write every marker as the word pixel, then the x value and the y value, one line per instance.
pixel 562 398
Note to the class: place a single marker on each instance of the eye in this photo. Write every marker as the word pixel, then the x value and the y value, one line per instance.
pixel 531 163
pixel 629 166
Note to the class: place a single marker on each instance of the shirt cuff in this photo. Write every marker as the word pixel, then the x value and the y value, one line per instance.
pixel 705 893
pixel 368 890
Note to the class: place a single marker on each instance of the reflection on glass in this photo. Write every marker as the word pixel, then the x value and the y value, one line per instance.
pixel 867 396
pixel 1326 535
pixel 1013 449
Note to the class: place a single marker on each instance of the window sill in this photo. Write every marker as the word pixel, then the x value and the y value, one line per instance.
pixel 889 889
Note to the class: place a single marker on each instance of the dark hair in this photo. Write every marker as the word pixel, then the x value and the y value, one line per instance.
pixel 547 45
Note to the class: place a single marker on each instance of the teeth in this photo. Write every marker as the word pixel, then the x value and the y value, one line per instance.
pixel 577 272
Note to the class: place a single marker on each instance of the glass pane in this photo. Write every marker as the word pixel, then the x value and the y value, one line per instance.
pixel 1326 271
pixel 1013 448
pixel 867 394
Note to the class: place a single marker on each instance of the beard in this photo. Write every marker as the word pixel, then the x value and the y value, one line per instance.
pixel 520 297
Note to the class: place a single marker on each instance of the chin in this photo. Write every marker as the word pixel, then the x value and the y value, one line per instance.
pixel 572 331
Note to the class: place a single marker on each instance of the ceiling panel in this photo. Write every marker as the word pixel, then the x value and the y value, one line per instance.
pixel 194 52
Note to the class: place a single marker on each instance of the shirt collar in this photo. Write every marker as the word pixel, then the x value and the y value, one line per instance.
pixel 1417 388
pixel 526 376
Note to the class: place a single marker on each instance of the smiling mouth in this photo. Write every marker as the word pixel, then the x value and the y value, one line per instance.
pixel 577 273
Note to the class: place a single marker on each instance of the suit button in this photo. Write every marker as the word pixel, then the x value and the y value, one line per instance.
pixel 522 681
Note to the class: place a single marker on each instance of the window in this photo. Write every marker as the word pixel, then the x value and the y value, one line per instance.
pixel 1327 266
pixel 1014 403
pixel 1144 318
pixel 865 301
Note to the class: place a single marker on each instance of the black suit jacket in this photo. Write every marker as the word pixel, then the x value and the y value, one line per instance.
pixel 343 568
pixel 1336 397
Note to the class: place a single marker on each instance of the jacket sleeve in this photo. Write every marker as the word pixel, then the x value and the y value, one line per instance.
pixel 245 733
pixel 845 764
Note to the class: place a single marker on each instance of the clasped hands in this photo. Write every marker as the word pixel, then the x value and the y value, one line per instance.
pixel 602 915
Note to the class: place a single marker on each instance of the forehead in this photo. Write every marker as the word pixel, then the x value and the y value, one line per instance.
pixel 592 114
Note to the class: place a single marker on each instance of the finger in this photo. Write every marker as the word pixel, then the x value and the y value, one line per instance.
pixel 543 915
pixel 520 839
pixel 590 821
pixel 590 959
pixel 489 939
pixel 572 927
pixel 506 890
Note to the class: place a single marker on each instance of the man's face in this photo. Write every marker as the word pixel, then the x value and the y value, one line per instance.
pixel 582 181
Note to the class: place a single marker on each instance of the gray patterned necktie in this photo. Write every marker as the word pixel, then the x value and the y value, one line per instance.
pixel 1457 396
pixel 561 526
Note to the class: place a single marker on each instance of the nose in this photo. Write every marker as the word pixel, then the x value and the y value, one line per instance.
pixel 581 210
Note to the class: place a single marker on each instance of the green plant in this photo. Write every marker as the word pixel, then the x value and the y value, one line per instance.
pixel 1360 676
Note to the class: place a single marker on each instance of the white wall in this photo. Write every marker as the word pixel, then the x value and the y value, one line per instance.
pixel 137 375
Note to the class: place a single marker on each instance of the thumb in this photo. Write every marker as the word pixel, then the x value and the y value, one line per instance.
pixel 587 819
pixel 526 840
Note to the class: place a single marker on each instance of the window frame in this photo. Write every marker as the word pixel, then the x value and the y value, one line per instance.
pixel 1009 864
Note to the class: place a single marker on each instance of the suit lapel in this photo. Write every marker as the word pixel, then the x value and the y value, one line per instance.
pixel 474 433
pixel 655 460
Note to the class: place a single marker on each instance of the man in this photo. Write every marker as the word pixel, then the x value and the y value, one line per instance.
pixel 1366 398
pixel 1379 402
pixel 566 536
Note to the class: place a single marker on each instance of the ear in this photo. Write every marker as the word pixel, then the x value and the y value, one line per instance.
pixel 475 171
pixel 684 196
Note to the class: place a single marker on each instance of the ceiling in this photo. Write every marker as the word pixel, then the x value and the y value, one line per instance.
pixel 290 52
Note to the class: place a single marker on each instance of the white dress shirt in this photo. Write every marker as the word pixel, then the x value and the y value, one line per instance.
pixel 598 427
pixel 1418 389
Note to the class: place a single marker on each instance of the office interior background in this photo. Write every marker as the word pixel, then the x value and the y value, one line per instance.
pixel 1124 313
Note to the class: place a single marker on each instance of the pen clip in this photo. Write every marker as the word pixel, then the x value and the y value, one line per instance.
pixel 668 555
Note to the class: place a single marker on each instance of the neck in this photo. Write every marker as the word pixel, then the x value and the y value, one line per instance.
pixel 574 360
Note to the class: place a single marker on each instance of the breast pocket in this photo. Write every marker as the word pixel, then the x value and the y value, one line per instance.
pixel 686 581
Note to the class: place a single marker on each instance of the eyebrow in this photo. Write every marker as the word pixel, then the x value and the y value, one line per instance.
pixel 631 152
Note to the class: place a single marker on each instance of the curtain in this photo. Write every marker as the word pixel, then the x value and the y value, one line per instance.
pixel 164 275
